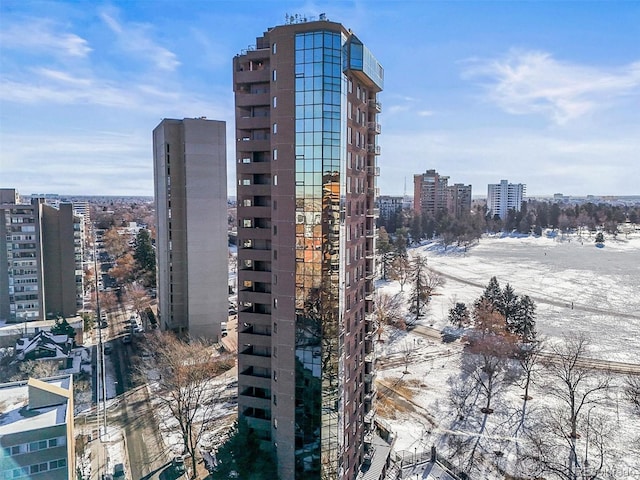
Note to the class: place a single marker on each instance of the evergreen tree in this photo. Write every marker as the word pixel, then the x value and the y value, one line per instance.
pixel 400 242
pixel 459 315
pixel 419 296
pixel 491 294
pixel 62 327
pixel 416 229
pixel 523 322
pixel 508 304
pixel 145 257
pixel 385 250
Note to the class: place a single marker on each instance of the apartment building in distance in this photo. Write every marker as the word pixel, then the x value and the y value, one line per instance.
pixel 459 199
pixel 37 436
pixel 190 183
pixel 307 107
pixel 433 196
pixel 388 205
pixel 43 274
pixel 504 196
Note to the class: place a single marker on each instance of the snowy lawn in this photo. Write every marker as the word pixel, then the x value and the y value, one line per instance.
pixel 604 286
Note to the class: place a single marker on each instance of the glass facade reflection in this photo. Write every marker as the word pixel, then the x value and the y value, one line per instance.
pixel 319 92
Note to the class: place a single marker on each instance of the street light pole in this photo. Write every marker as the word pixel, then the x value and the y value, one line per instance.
pixel 100 352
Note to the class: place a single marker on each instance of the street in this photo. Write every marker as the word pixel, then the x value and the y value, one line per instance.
pixel 132 435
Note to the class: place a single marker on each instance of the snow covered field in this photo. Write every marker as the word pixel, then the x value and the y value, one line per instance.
pixel 604 286
pixel 602 283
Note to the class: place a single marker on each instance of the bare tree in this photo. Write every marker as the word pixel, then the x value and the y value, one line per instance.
pixel 423 283
pixel 388 311
pixel 400 270
pixel 184 387
pixel 108 301
pixel 32 368
pixel 578 388
pixel 632 391
pixel 529 356
pixel 407 351
pixel 551 438
pixel 115 244
pixel 138 299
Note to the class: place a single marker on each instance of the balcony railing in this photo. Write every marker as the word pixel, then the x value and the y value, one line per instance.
pixel 374 127
pixel 377 106
pixel 373 171
pixel 372 148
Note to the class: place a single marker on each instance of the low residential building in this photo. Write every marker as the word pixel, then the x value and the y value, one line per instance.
pixel 37 438
pixel 44 345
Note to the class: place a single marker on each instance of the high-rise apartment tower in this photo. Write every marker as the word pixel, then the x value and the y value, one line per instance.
pixel 306 128
pixel 504 196
pixel 430 193
pixel 190 179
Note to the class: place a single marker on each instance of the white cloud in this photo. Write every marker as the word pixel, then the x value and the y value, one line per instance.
pixel 526 82
pixel 135 38
pixel 40 35
pixel 42 86
pixel 580 163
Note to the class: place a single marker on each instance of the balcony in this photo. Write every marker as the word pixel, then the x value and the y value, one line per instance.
pixel 253 76
pixel 253 401
pixel 251 99
pixel 262 340
pixel 372 148
pixel 377 106
pixel 373 171
pixel 373 212
pixel 368 346
pixel 254 361
pixel 250 123
pixel 370 377
pixel 374 127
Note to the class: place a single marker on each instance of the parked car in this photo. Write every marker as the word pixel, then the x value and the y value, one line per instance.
pixel 118 472
pixel 108 349
pixel 178 464
pixel 126 339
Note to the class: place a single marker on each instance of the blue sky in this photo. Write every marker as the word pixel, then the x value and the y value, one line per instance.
pixel 541 93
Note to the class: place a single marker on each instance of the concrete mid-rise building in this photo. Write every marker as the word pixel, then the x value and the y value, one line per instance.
pixel 42 277
pixel 37 438
pixel 307 107
pixel 190 178
pixel 504 196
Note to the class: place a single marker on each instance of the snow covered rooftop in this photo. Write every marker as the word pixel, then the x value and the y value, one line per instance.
pixel 17 413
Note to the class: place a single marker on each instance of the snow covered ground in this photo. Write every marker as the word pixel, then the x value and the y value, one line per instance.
pixel 602 283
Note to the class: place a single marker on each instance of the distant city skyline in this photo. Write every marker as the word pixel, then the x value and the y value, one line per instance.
pixel 542 93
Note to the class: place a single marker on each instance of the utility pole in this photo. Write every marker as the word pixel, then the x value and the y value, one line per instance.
pixel 100 374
